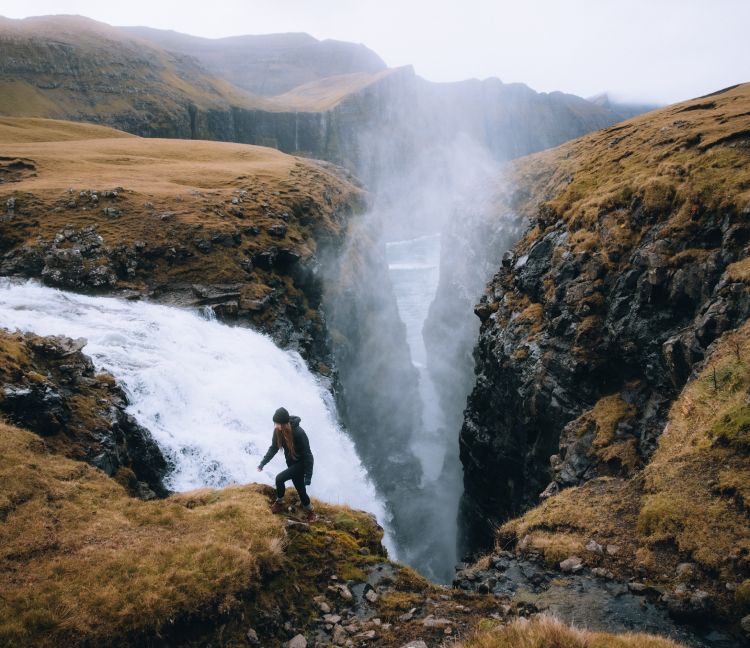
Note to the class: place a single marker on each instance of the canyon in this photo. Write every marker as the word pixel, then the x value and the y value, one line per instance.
pixel 497 342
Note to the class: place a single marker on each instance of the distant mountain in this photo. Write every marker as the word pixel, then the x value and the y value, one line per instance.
pixel 334 101
pixel 624 110
pixel 76 68
pixel 269 64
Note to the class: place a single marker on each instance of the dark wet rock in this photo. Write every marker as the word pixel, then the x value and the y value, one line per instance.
pixel 38 407
pixel 548 352
pixel 228 240
pixel 216 293
pixel 278 230
pixel 687 605
pixel 203 245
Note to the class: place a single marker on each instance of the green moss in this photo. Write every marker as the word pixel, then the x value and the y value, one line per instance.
pixel 733 429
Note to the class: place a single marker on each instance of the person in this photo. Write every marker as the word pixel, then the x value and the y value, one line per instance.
pixel 289 436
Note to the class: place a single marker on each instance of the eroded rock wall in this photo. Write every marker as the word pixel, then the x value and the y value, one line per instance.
pixel 627 272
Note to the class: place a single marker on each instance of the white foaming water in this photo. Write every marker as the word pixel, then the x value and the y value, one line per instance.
pixel 206 391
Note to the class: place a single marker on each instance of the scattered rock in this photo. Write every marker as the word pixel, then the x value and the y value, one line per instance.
pixel 298 641
pixel 418 643
pixel 613 550
pixel 594 547
pixel 685 571
pixel 407 616
pixel 571 565
pixel 600 572
pixel 252 636
pixel 371 596
pixel 339 635
pixel 297 526
pixel 333 619
pixel 745 624
pixel 432 622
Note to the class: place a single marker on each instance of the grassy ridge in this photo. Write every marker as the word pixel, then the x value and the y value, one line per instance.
pixel 82 560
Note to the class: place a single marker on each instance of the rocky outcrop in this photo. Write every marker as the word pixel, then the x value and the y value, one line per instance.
pixel 47 385
pixel 628 271
pixel 248 251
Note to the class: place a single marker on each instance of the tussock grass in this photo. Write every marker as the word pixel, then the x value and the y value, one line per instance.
pixel 548 632
pixel 83 562
pixel 674 165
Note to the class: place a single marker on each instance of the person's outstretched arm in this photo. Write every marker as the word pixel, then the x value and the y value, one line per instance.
pixel 270 454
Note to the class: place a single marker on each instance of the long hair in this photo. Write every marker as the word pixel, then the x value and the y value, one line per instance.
pixel 285 438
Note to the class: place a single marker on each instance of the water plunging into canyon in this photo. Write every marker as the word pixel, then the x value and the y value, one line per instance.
pixel 206 391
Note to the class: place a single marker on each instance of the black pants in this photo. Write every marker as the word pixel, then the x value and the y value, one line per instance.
pixel 296 474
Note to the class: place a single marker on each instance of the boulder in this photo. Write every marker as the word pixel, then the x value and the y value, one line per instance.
pixel 571 565
pixel 298 641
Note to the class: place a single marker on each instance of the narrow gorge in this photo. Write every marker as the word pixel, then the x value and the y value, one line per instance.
pixel 514 325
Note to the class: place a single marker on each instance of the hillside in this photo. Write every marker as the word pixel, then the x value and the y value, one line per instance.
pixel 633 263
pixel 75 68
pixel 326 100
pixel 680 524
pixel 85 562
pixel 269 64
pixel 236 227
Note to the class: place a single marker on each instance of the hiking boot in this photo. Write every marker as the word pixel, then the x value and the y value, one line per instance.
pixel 277 507
pixel 310 515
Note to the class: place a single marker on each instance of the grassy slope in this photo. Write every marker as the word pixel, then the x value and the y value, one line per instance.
pixel 547 632
pixel 83 560
pixel 690 504
pixel 85 564
pixel 681 161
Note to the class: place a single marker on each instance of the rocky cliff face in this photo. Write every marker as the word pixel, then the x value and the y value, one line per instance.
pixel 248 247
pixel 49 387
pixel 630 268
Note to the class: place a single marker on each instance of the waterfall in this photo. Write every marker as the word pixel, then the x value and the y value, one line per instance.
pixel 205 390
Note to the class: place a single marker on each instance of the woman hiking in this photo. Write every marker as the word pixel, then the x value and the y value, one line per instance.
pixel 289 436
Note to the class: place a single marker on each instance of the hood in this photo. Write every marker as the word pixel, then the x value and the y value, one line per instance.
pixel 294 421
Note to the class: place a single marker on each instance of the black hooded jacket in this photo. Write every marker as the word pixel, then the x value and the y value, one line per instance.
pixel 301 446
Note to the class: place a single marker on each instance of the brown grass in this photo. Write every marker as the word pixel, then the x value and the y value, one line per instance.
pixel 548 632
pixel 676 163
pixel 173 194
pixel 324 94
pixel 82 561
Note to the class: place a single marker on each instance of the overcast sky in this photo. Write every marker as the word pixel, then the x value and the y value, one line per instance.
pixel 650 50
